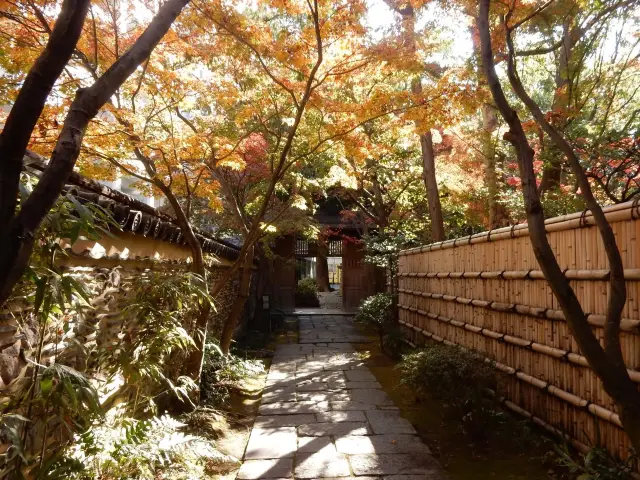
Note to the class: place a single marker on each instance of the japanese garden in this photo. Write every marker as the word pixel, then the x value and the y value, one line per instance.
pixel 320 239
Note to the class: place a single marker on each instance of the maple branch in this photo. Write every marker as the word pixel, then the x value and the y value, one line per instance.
pixel 255 51
pixel 30 102
pixel 604 188
pixel 95 38
pixel 540 50
pixel 139 86
pixel 18 243
pixel 537 11
pixel 126 170
pixel 361 206
pixel 354 127
pixel 618 295
pixel 187 122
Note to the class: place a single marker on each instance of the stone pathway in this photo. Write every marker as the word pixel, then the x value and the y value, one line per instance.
pixel 324 415
pixel 330 300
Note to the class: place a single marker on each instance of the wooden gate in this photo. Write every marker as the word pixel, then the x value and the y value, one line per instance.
pixel 359 279
pixel 284 273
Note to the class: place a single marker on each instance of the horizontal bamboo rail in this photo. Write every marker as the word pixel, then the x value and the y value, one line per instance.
pixel 486 293
pixel 553 352
pixel 626 324
pixel 613 213
pixel 631 274
pixel 581 447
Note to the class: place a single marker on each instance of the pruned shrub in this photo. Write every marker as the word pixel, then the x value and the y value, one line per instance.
pixel 457 378
pixel 376 311
pixel 307 293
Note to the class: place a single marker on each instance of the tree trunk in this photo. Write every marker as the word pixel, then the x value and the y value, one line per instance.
pixel 490 176
pixel 262 281
pixel 606 362
pixel 489 125
pixel 31 100
pixel 193 363
pixel 322 266
pixel 238 304
pixel 408 14
pixel 431 185
pixel 552 171
pixel 16 245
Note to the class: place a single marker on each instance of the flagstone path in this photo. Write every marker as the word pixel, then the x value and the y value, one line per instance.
pixel 324 415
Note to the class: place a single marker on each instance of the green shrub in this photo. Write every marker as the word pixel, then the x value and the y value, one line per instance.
pixel 376 311
pixel 123 447
pixel 307 286
pixel 222 373
pixel 597 464
pixel 307 293
pixel 393 342
pixel 458 379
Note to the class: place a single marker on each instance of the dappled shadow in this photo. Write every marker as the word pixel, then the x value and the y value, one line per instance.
pixel 324 415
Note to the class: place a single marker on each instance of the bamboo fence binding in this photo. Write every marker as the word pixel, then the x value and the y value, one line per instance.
pixel 486 292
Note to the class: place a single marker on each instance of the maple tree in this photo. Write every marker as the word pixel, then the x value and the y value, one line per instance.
pixel 246 113
pixel 588 88
pixel 17 244
pixel 407 13
pixel 606 360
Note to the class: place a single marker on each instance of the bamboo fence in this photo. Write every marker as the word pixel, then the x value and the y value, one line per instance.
pixel 485 292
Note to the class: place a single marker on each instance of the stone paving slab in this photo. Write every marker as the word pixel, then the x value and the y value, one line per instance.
pixel 293 407
pixel 324 415
pixel 351 405
pixel 389 422
pixel 360 376
pixel 266 443
pixel 344 416
pixel 322 464
pixel 342 428
pixel 315 444
pixel 394 464
pixel 268 421
pixel 257 469
pixel 381 444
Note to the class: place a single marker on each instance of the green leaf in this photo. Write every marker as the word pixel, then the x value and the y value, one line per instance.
pixel 84 212
pixel 74 233
pixel 46 385
pixel 80 289
pixel 41 285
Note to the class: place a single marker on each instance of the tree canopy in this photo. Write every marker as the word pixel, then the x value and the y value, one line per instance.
pixel 431 119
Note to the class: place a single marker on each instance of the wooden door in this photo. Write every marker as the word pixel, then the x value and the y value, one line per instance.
pixel 284 273
pixel 358 278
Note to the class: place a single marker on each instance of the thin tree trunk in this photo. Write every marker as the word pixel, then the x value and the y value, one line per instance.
pixel 552 171
pixel 17 243
pixel 490 177
pixel 489 125
pixel 408 15
pixel 238 304
pixel 261 283
pixel 193 364
pixel 431 185
pixel 322 266
pixel 606 362
pixel 32 98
